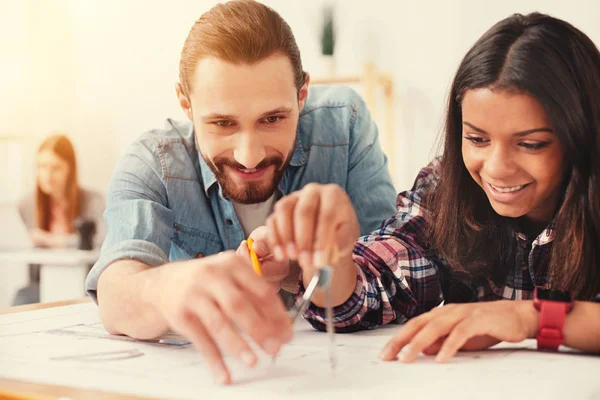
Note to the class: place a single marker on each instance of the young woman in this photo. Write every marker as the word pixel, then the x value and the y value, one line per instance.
pixel 57 202
pixel 511 211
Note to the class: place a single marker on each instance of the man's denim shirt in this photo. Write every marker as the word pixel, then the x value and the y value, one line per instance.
pixel 165 204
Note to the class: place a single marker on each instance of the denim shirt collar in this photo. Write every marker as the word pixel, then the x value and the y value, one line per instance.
pixel 299 158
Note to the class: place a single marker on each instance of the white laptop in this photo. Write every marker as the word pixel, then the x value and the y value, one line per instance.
pixel 13 232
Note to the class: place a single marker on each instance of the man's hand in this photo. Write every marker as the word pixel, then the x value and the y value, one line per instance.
pixel 280 274
pixel 207 300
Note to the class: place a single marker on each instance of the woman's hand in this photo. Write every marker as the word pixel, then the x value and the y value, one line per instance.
pixel 474 326
pixel 317 226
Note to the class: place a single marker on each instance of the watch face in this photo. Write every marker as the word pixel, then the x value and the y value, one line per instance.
pixel 554 295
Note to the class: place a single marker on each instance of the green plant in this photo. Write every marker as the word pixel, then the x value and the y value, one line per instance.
pixel 328 32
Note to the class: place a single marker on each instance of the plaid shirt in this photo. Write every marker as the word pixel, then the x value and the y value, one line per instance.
pixel 399 278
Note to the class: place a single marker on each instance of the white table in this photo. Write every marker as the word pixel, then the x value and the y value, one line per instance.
pixel 51 347
pixel 62 271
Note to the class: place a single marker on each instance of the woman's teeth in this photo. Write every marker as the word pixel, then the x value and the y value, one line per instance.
pixel 508 189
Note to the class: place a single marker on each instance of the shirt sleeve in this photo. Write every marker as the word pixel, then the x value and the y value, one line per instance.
pixel 137 215
pixel 369 184
pixel 397 278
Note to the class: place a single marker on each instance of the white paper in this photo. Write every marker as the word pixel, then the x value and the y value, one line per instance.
pixel 35 347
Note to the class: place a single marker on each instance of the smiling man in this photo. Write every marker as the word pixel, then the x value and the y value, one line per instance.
pixel 185 193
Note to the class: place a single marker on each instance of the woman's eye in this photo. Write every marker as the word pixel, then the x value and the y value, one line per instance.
pixel 476 140
pixel 534 146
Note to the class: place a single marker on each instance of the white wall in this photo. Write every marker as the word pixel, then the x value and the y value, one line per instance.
pixel 12 106
pixel 421 43
pixel 12 65
pixel 104 70
pixel 35 85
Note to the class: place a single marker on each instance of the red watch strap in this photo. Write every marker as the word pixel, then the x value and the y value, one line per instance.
pixel 552 320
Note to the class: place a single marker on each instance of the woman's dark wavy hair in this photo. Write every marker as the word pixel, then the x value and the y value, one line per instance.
pixel 559 66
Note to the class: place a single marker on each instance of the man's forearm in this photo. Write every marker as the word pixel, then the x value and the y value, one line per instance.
pixel 127 300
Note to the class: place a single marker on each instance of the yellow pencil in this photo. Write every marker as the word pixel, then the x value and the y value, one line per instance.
pixel 254 257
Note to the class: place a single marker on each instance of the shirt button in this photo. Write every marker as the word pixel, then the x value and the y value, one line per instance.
pixel 229 222
pixel 200 255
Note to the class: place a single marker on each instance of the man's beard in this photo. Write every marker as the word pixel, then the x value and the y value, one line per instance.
pixel 248 192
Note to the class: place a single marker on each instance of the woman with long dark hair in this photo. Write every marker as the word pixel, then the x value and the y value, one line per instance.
pixel 511 211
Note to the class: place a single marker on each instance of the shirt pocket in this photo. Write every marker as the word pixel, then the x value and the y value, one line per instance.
pixel 194 242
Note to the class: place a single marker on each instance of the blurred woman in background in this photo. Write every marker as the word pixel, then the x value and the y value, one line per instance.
pixel 51 213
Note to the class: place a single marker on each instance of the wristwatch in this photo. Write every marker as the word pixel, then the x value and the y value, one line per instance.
pixel 553 306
